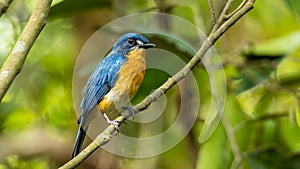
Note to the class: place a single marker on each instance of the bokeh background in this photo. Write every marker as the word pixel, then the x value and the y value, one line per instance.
pixel 260 55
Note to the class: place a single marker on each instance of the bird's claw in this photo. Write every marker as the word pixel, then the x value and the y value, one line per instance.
pixel 132 110
pixel 115 124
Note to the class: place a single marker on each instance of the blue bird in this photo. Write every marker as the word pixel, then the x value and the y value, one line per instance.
pixel 114 82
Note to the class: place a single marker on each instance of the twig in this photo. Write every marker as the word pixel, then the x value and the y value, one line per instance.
pixel 237 162
pixel 227 7
pixel 14 62
pixel 222 16
pixel 212 12
pixel 237 9
pixel 105 136
pixel 4 4
pixel 259 119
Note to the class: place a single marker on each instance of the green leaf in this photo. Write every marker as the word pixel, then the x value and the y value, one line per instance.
pixel 250 98
pixel 261 159
pixel 19 119
pixel 15 162
pixel 275 47
pixel 298 116
pixel 214 153
pixel 261 100
pixel 262 58
pixel 289 135
pixel 293 6
pixel 288 71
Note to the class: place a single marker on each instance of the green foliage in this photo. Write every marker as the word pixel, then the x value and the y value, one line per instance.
pixel 261 59
pixel 13 161
pixel 294 6
pixel 12 24
pixel 215 153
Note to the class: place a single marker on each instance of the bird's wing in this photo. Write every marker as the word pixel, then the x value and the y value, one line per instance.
pixel 100 82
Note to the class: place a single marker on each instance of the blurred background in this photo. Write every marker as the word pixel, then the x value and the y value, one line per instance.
pixel 260 55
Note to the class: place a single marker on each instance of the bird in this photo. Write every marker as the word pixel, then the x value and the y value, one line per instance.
pixel 113 83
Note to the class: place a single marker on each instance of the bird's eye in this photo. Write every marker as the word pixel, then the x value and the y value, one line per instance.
pixel 130 41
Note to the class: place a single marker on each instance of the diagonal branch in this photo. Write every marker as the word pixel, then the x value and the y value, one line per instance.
pixel 14 62
pixel 222 26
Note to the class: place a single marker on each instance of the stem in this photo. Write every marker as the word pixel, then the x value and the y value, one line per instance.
pixel 237 162
pixel 14 62
pixel 212 12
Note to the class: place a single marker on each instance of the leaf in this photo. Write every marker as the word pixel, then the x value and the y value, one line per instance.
pixel 298 116
pixel 214 153
pixel 289 135
pixel 250 98
pixel 19 119
pixel 261 100
pixel 293 6
pixel 261 59
pixel 261 159
pixel 251 76
pixel 14 161
pixel 257 98
pixel 275 47
pixel 288 71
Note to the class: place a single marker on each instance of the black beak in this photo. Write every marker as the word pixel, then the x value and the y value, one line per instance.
pixel 147 45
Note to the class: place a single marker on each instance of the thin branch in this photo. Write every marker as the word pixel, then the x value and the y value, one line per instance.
pixel 237 162
pixel 227 7
pixel 14 62
pixel 215 34
pixel 260 119
pixel 237 9
pixel 233 19
pixel 4 4
pixel 222 16
pixel 212 12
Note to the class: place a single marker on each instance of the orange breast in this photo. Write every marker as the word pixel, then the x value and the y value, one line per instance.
pixel 130 78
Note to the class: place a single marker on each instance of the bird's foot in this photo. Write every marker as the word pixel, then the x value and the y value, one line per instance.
pixel 131 109
pixel 115 123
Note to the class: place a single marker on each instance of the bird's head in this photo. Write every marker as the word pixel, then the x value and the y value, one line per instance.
pixel 131 41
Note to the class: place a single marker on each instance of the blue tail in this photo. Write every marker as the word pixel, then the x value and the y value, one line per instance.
pixel 79 140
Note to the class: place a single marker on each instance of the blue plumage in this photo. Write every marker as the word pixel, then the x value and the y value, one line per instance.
pixel 124 48
pixel 101 81
pixel 104 78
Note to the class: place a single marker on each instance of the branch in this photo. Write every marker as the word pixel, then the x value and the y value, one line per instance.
pixel 4 4
pixel 212 12
pixel 272 116
pixel 237 162
pixel 238 156
pixel 237 9
pixel 14 62
pixel 216 33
